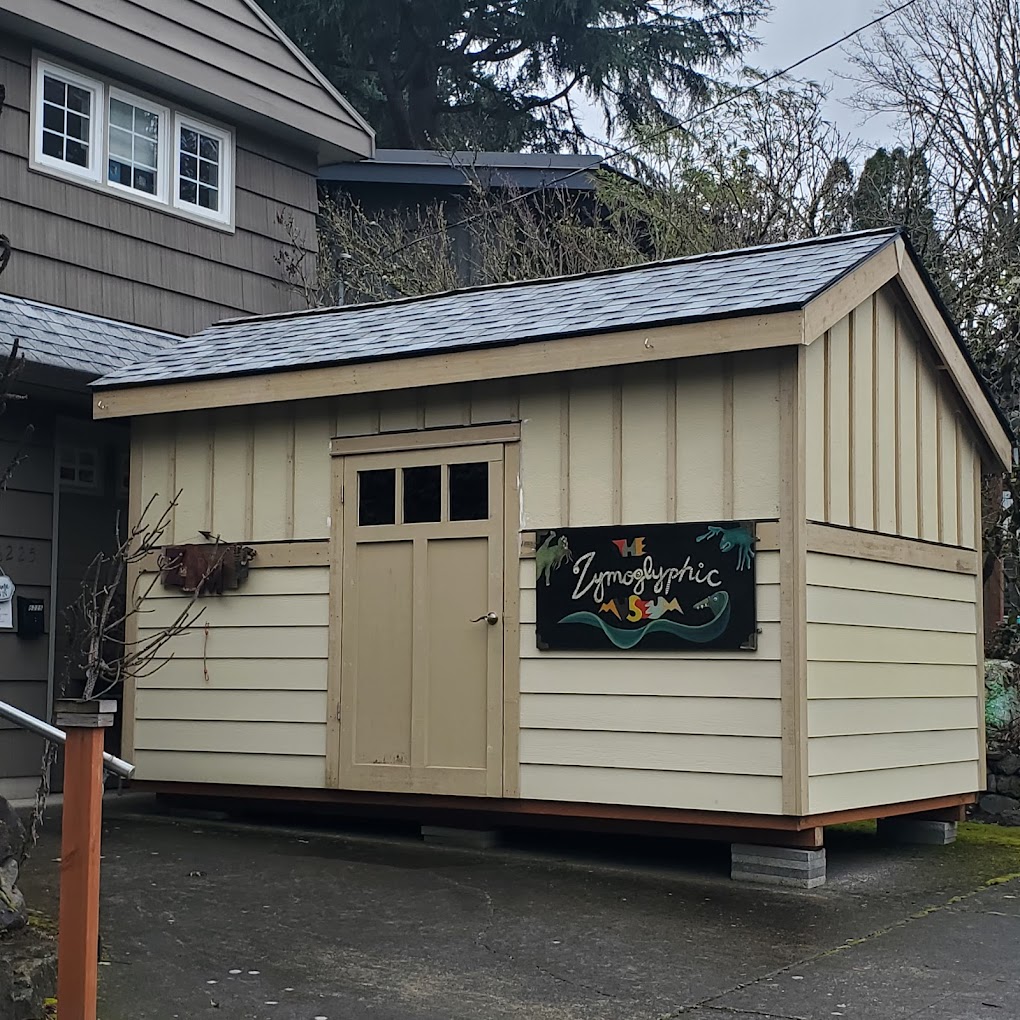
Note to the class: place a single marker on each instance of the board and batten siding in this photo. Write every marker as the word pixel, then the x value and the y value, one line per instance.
pixel 888 447
pixel 90 250
pixel 894 708
pixel 693 441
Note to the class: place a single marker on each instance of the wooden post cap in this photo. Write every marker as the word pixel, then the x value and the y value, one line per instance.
pixel 85 714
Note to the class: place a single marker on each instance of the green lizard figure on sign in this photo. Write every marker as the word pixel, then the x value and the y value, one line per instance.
pixel 551 555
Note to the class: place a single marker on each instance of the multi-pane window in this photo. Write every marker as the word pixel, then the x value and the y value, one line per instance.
pixel 202 168
pixel 128 143
pixel 136 132
pixel 68 112
pixel 79 468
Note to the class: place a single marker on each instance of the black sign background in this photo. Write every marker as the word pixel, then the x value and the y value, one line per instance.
pixel 646 587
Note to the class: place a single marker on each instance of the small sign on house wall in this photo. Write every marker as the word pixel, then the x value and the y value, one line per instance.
pixel 650 587
pixel 6 602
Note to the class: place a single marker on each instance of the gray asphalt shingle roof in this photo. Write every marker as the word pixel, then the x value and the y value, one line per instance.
pixel 752 280
pixel 61 338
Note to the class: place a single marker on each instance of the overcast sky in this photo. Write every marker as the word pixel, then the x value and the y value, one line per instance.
pixel 798 27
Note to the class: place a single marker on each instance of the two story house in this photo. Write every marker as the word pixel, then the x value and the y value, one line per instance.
pixel 156 158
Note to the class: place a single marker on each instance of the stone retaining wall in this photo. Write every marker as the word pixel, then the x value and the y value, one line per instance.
pixel 28 973
pixel 1002 801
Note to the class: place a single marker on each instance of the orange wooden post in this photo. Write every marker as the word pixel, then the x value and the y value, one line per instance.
pixel 78 939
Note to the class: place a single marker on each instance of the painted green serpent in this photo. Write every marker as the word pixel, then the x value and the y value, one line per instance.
pixel 718 602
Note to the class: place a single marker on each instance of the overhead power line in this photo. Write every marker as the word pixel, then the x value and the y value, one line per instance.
pixel 627 150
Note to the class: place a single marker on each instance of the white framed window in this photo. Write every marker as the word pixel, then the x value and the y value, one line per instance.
pixel 112 138
pixel 137 132
pixel 203 169
pixel 79 468
pixel 68 125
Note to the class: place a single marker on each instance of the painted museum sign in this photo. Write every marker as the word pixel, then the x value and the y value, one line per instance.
pixel 650 587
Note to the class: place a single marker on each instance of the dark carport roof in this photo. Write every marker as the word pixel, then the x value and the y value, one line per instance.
pixel 720 285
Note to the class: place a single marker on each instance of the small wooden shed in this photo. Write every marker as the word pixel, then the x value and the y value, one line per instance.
pixel 489 524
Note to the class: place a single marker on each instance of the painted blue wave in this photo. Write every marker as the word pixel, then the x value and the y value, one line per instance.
pixel 628 637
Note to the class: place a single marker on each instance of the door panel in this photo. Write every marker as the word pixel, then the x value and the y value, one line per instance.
pixel 382 608
pixel 455 703
pixel 421 669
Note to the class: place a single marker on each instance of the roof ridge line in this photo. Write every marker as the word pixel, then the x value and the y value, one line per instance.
pixel 537 281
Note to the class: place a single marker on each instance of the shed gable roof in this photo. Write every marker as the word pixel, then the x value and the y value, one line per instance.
pixel 772 296
pixel 226 56
pixel 73 341
pixel 726 284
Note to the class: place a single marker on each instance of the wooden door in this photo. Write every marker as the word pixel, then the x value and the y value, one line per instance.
pixel 421 638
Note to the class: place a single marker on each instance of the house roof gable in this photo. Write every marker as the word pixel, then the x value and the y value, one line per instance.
pixel 226 57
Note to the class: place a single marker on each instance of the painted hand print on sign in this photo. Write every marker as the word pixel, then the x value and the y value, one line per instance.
pixel 740 539
pixel 653 587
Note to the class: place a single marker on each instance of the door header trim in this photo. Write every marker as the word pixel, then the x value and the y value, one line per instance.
pixel 426 439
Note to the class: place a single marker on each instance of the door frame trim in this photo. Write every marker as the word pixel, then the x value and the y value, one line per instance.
pixel 508 435
pixel 426 439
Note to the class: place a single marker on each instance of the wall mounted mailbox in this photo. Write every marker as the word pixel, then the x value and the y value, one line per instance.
pixel 646 587
pixel 31 617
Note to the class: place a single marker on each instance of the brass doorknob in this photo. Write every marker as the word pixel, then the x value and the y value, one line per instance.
pixel 490 618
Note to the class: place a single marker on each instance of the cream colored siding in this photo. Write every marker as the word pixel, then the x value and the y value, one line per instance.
pixel 698 730
pixel 693 442
pixel 243 692
pixel 893 699
pixel 247 477
pixel 885 432
pixel 885 447
pixel 697 441
pixel 587 433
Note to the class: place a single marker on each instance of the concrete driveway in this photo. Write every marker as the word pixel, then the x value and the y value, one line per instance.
pixel 209 919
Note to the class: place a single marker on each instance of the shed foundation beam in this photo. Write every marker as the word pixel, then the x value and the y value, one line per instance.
pixel 928 831
pixel 474 839
pixel 777 865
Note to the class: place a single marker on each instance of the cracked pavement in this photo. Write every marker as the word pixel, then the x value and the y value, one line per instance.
pixel 310 919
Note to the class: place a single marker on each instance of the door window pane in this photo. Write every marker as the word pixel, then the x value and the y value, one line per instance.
pixel 422 496
pixel 377 496
pixel 469 492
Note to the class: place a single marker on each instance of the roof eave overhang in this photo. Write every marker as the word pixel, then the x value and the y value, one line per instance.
pixel 647 344
pixel 332 139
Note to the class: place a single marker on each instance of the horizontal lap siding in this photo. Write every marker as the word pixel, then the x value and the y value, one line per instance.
pixel 87 249
pixel 887 445
pixel 243 691
pixel 701 729
pixel 893 695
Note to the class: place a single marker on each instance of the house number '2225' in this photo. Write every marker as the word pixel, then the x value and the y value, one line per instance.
pixel 17 553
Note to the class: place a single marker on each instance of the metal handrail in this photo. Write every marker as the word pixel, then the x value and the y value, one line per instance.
pixel 112 764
